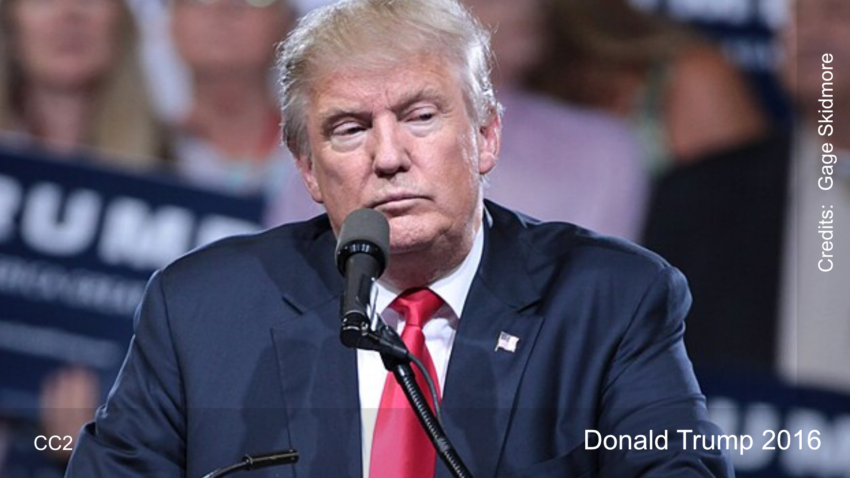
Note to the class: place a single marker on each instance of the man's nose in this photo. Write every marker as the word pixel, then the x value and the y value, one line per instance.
pixel 389 152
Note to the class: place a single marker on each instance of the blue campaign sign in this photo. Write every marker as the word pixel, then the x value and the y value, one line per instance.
pixel 77 245
pixel 796 431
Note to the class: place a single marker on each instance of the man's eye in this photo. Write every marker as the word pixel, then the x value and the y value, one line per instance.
pixel 421 115
pixel 348 129
pixel 427 116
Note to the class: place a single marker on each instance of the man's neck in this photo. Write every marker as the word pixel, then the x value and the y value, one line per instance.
pixel 423 267
pixel 453 288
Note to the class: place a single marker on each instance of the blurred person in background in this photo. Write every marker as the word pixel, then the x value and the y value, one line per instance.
pixel 558 162
pixel 743 225
pixel 682 97
pixel 71 79
pixel 70 84
pixel 229 139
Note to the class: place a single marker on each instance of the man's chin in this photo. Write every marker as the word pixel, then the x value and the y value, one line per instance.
pixel 409 235
pixel 407 246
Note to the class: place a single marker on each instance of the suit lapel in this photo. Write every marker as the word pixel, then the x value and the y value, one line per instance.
pixel 318 375
pixel 482 382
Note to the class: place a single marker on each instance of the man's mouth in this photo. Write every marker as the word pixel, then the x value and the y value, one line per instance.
pixel 394 199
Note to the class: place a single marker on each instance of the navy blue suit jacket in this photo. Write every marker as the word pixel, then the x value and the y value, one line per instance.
pixel 236 351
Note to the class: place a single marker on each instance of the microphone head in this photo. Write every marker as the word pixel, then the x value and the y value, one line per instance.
pixel 364 231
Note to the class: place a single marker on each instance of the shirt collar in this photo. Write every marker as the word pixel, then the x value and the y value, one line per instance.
pixel 453 288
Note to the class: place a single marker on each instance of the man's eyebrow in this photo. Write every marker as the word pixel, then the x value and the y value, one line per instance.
pixel 332 115
pixel 427 94
pixel 335 115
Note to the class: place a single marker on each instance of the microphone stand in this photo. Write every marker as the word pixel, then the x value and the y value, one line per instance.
pixel 361 256
pixel 397 358
pixel 256 462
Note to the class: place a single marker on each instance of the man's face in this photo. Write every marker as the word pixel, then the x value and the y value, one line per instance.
pixel 400 141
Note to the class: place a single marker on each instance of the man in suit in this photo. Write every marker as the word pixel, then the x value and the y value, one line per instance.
pixel 535 333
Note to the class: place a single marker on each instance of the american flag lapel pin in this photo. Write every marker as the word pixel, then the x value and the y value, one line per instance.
pixel 506 342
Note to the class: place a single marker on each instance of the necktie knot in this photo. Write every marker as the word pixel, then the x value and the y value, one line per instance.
pixel 417 306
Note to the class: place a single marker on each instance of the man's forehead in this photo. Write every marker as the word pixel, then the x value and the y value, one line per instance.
pixel 358 87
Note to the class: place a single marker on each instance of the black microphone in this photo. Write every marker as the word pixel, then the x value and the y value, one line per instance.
pixel 362 253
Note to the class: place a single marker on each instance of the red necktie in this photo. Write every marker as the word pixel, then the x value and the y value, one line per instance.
pixel 400 447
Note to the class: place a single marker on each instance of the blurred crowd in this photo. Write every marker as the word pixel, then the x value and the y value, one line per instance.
pixel 616 119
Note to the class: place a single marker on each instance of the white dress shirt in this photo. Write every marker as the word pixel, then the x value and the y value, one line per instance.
pixel 439 337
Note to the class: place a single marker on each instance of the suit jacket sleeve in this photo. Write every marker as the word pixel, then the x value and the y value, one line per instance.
pixel 140 429
pixel 650 385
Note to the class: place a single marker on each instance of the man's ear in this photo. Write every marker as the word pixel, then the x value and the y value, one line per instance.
pixel 489 143
pixel 308 174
